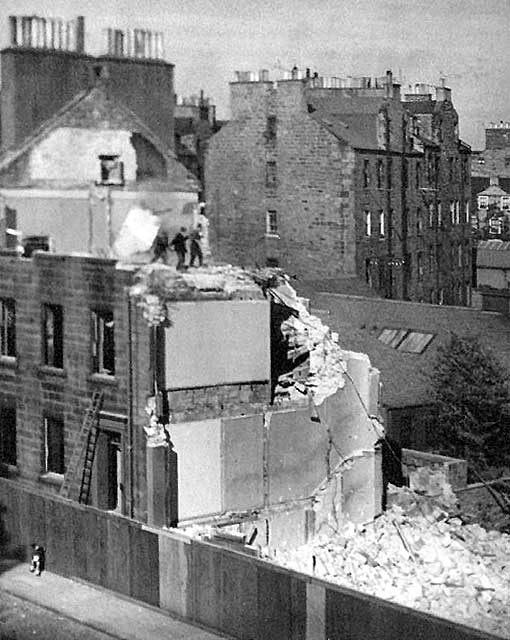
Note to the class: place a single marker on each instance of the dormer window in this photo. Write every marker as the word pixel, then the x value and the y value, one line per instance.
pixel 111 170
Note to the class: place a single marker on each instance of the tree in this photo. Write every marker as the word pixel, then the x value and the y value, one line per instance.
pixel 472 395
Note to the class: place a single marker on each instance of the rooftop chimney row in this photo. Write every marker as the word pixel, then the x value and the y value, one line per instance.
pixel 135 43
pixel 47 33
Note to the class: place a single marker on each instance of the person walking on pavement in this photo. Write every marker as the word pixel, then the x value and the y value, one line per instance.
pixel 37 560
pixel 195 246
pixel 179 245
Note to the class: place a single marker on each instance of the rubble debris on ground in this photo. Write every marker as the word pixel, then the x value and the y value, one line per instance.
pixel 419 554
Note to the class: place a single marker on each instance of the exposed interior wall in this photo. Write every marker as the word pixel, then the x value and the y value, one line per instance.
pixel 275 457
pixel 72 154
pixel 215 342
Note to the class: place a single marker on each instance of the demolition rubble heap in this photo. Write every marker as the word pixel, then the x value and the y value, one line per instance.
pixel 158 286
pixel 418 554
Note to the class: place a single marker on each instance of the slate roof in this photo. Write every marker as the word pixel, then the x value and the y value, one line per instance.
pixel 493 254
pixel 493 190
pixel 359 321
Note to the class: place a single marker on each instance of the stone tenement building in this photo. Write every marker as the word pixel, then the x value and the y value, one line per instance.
pixel 195 122
pixel 333 178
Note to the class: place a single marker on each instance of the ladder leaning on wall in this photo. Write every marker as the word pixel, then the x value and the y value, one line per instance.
pixel 76 485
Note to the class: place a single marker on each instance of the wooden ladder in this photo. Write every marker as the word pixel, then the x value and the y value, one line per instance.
pixel 76 485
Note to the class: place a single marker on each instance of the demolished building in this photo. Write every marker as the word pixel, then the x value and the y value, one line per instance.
pixel 174 371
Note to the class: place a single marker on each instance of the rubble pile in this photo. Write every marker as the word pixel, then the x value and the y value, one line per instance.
pixel 158 285
pixel 418 554
pixel 306 333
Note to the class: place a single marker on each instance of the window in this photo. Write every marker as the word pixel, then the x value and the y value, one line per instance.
pixel 53 336
pixel 406 339
pixel 271 177
pixel 418 175
pixel 431 215
pixel 366 173
pixel 439 214
pixel 368 223
pixel 8 432
pixel 111 170
pixel 452 211
pixel 460 255
pixel 483 202
pixel 419 263
pixel 457 212
pixel 382 223
pixel 103 343
pixel 7 327
pixel 505 202
pixel 53 454
pixel 466 210
pixel 368 271
pixel 271 128
pixel 419 221
pixel 380 174
pixel 495 226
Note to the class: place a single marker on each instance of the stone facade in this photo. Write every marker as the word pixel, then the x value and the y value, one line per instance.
pixel 336 182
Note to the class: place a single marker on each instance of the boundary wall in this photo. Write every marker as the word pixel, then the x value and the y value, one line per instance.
pixel 234 593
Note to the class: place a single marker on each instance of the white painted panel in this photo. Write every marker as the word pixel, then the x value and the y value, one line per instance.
pixel 217 342
pixel 197 445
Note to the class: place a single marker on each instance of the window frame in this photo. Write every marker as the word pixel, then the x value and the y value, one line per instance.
pixel 53 462
pixel 7 328
pixel 99 341
pixel 8 432
pixel 367 221
pixel 56 360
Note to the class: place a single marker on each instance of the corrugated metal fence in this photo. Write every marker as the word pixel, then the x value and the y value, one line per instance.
pixel 237 594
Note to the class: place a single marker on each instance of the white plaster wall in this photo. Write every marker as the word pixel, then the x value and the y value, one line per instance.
pixel 73 154
pixel 198 448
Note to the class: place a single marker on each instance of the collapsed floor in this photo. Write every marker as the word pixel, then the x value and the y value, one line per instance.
pixel 418 554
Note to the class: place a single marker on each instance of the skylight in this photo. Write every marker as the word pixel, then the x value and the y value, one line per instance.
pixel 406 340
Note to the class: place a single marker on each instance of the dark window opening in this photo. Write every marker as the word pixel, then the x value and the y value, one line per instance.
pixel 111 170
pixel 8 433
pixel 271 176
pixel 272 262
pixel 53 336
pixel 7 327
pixel 380 174
pixel 271 128
pixel 271 222
pixel 53 458
pixel 103 342
pixel 366 173
pixel 109 471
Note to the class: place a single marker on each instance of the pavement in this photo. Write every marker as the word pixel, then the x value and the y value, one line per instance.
pixel 105 611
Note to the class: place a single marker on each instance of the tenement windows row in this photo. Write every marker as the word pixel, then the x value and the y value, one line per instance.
pixel 102 337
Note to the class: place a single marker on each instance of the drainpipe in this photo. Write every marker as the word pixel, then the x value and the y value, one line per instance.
pixel 389 216
pixel 130 431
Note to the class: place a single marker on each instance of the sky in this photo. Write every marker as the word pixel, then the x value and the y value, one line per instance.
pixel 465 41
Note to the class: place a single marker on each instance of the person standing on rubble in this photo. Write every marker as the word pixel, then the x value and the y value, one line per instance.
pixel 179 245
pixel 160 246
pixel 195 247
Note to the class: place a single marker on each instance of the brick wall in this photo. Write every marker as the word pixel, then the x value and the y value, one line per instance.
pixel 79 285
pixel 311 194
pixel 320 198
pixel 218 401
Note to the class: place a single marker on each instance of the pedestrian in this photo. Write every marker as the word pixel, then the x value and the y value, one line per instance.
pixel 161 246
pixel 179 246
pixel 195 247
pixel 38 559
